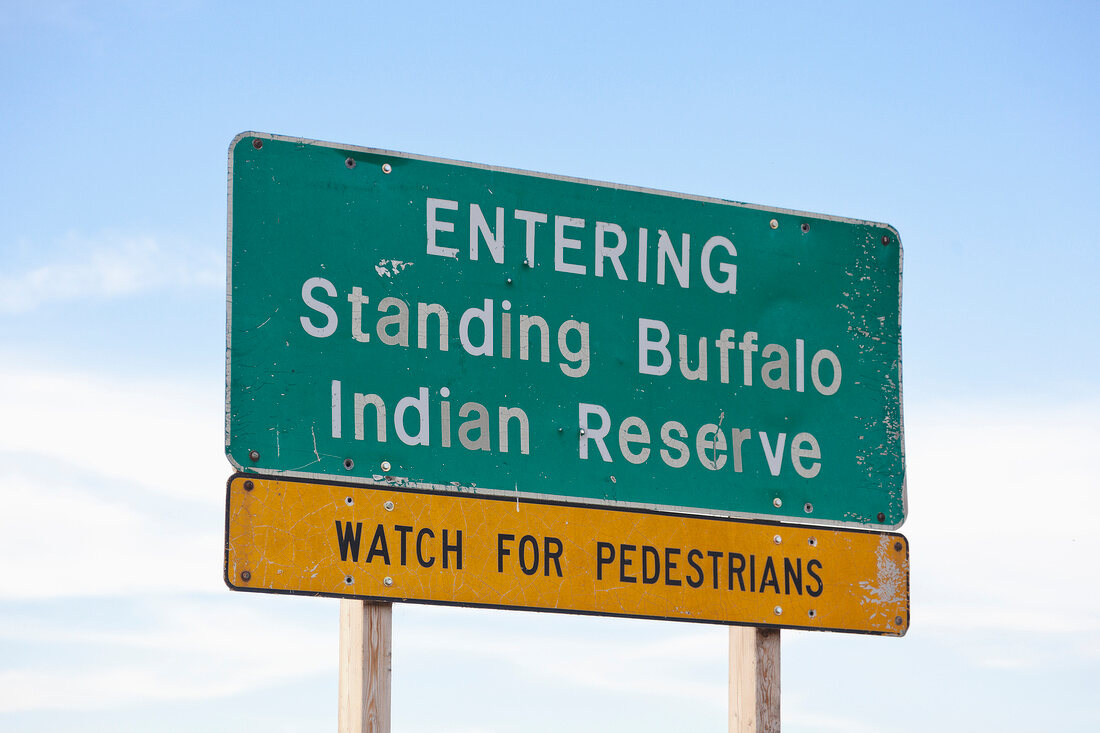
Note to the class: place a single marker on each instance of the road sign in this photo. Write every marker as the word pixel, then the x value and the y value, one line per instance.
pixel 425 323
pixel 385 543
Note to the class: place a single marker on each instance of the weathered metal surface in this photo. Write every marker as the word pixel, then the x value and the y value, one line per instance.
pixel 385 543
pixel 639 348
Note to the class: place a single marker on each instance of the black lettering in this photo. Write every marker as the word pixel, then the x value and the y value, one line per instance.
pixel 769 577
pixel 348 539
pixel 670 566
pixel 456 548
pixel 534 567
pixel 647 553
pixel 792 572
pixel 623 562
pixel 715 556
pixel 693 555
pixel 424 563
pixel 501 551
pixel 815 592
pixel 401 528
pixel 602 558
pixel 378 546
pixel 554 549
pixel 738 569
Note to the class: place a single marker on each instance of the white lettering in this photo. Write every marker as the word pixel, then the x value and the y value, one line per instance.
pixel 323 308
pixel 434 226
pixel 610 253
pixel 646 345
pixel 485 315
pixel 420 404
pixel 798 453
pixel 495 241
pixel 715 444
pixel 588 432
pixel 562 243
pixel 729 285
pixel 634 430
pixel 679 263
pixel 531 218
pixel 815 376
pixel 775 457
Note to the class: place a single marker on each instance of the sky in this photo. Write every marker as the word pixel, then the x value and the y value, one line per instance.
pixel 970 128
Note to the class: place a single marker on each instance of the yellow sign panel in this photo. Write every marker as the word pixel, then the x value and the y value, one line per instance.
pixel 392 544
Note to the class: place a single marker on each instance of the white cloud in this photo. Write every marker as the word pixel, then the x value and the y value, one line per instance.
pixel 811 720
pixel 96 478
pixel 69 541
pixel 672 661
pixel 1004 502
pixel 109 265
pixel 162 435
pixel 186 650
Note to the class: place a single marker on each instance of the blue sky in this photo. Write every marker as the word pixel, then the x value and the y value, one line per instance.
pixel 971 130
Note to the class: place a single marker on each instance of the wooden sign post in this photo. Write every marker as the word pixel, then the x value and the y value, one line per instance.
pixel 754 680
pixel 366 653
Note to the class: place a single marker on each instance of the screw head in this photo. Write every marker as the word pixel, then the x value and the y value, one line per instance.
pixel 885 239
pixel 349 464
pixel 779 610
pixel 808 508
pixel 348 500
pixel 385 465
pixel 387 581
pixel 805 227
pixel 881 517
pixel 899 621
pixel 246 576
pixel 777 502
pixel 248 486
pixel 389 506
pixel 387 168
pixel 349 162
pixel 774 224
pixel 777 540
pixel 257 143
pixel 254 455
pixel 898 546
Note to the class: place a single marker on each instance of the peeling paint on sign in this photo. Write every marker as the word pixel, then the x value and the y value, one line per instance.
pixel 389 268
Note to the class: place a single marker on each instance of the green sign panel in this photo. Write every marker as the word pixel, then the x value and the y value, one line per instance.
pixel 403 320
